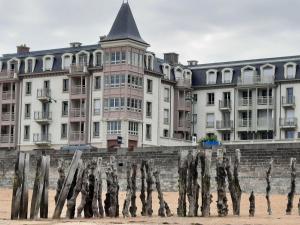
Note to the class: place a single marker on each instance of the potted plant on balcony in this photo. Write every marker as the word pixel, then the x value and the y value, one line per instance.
pixel 209 142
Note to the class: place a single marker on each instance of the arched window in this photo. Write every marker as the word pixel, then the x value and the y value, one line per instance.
pixel 149 61
pixel 83 58
pixel 98 58
pixel 211 76
pixel 267 70
pixel 290 70
pixel 66 61
pixel 178 72
pixel 48 62
pixel 227 75
pixel 13 65
pixel 166 70
pixel 30 64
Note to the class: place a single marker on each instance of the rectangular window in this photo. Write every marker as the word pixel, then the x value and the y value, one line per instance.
pixel 290 134
pixel 26 133
pixel 96 129
pixel 167 95
pixel 195 97
pixel 166 116
pixel 149 86
pixel 106 57
pixel 97 107
pixel 166 133
pixel 97 83
pixel 64 131
pixel 148 132
pixel 226 136
pixel 149 109
pixel 65 85
pixel 28 88
pixel 133 128
pixel 114 127
pixel 65 108
pixel 210 98
pixel 99 59
pixel 27 111
pixel 210 120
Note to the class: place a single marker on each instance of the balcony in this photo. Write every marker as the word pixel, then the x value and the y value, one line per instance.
pixel 77 112
pixel 245 123
pixel 225 105
pixel 7 116
pixel 255 80
pixel 77 137
pixel 264 100
pixel 288 101
pixel 224 125
pixel 42 139
pixel 78 90
pixel 6 139
pixel 184 124
pixel 245 102
pixel 8 75
pixel 288 123
pixel 265 124
pixel 44 94
pixel 8 95
pixel 184 83
pixel 43 117
pixel 78 68
pixel 210 124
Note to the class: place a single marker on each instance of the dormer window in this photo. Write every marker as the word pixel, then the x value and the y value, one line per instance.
pixel 82 58
pixel 178 73
pixel 227 75
pixel 267 70
pixel 166 70
pixel 98 58
pixel 48 62
pixel 187 74
pixel 211 76
pixel 13 65
pixel 30 64
pixel 66 60
pixel 149 61
pixel 290 70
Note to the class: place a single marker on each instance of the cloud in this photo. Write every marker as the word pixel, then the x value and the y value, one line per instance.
pixel 205 30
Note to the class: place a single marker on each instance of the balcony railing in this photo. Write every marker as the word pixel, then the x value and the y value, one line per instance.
pixel 184 123
pixel 184 83
pixel 288 101
pixel 77 112
pixel 42 116
pixel 245 102
pixel 255 80
pixel 6 138
pixel 7 95
pixel 210 124
pixel 78 68
pixel 7 116
pixel 77 136
pixel 43 94
pixel 78 89
pixel 265 123
pixel 288 122
pixel 8 74
pixel 245 123
pixel 42 139
pixel 224 124
pixel 225 105
pixel 264 100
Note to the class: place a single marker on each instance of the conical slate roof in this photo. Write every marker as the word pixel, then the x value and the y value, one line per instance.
pixel 124 26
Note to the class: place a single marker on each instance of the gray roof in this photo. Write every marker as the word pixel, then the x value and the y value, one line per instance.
pixel 124 26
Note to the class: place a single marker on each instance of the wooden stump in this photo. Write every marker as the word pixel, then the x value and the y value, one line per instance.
pixel 125 210
pixel 205 175
pixel 162 206
pixel 61 179
pixel 84 191
pixel 99 180
pixel 221 184
pixel 252 205
pixel 133 207
pixel 182 183
pixel 45 195
pixel 268 189
pixel 150 182
pixel 67 184
pixel 233 181
pixel 293 187
pixel 143 187
pixel 24 197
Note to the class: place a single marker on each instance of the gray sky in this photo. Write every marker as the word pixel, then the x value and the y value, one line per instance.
pixel 205 30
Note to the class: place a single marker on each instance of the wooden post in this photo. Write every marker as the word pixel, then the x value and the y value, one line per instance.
pixel 24 197
pixel 182 180
pixel 61 178
pixel 125 210
pixel 268 189
pixel 44 200
pixel 99 177
pixel 149 180
pixel 162 207
pixel 233 181
pixel 205 173
pixel 192 183
pixel 143 187
pixel 252 204
pixel 221 184
pixel 133 207
pixel 67 184
pixel 84 191
pixel 299 207
pixel 293 187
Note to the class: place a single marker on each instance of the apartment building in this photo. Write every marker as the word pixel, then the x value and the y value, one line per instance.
pixel 94 95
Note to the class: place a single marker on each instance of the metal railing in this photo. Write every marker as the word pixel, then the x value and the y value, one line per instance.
pixel 8 74
pixel 225 104
pixel 183 82
pixel 77 112
pixel 245 102
pixel 7 116
pixel 6 138
pixel 265 100
pixel 288 122
pixel 245 123
pixel 210 124
pixel 81 68
pixel 42 115
pixel 265 123
pixel 78 89
pixel 256 79
pixel 42 138
pixel 77 136
pixel 7 95
pixel 287 101
pixel 224 124
pixel 43 93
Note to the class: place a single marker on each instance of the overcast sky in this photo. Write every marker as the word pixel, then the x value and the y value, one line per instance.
pixel 205 30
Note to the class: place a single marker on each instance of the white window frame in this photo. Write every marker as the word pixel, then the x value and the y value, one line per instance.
pixel 224 80
pixel 111 125
pixel 63 66
pixel 166 69
pixel 94 133
pixel 209 73
pixel 294 65
pixel 27 63
pixel 149 56
pixel 95 57
pixel 262 68
pixel 133 128
pixel 248 68
pixel 11 60
pixel 87 58
pixel 51 57
pixel 178 71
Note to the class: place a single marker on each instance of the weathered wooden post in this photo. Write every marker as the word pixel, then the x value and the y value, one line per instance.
pixel 268 189
pixel 233 181
pixel 67 184
pixel 252 204
pixel 45 196
pixel 299 207
pixel 161 210
pixel 182 182
pixel 125 210
pixel 84 191
pixel 221 184
pixel 293 187
pixel 205 174
pixel 133 207
pixel 150 182
pixel 99 177
pixel 61 178
pixel 192 183
pixel 143 187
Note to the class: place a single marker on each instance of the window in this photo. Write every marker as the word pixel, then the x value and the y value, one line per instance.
pixel 134 81
pixel 65 108
pixel 210 120
pixel 26 133
pixel 65 85
pixel 290 70
pixel 148 132
pixel 167 95
pixel 227 76
pixel 28 88
pixel 98 59
pixel 134 105
pixel 211 77
pixel 96 129
pixel 29 66
pixel 114 127
pixel 195 97
pixel 118 57
pixel 194 118
pixel 66 61
pixel 290 134
pixel 290 99
pixel 226 136
pixel 97 107
pixel 210 98
pixel 97 83
pixel 64 131
pixel 149 86
pixel 149 109
pixel 114 104
pixel 115 80
pixel 48 63
pixel 268 71
pixel 166 133
pixel 27 111
pixel 166 116
pixel 133 128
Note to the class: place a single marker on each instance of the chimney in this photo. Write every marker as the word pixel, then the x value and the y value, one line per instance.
pixel 102 38
pixel 22 49
pixel 171 58
pixel 192 62
pixel 75 44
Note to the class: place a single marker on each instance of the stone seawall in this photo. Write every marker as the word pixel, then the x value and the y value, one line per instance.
pixel 254 161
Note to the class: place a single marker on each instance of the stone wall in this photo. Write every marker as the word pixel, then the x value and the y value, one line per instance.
pixel 254 162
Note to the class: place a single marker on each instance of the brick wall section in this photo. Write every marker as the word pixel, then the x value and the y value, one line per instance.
pixel 254 162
